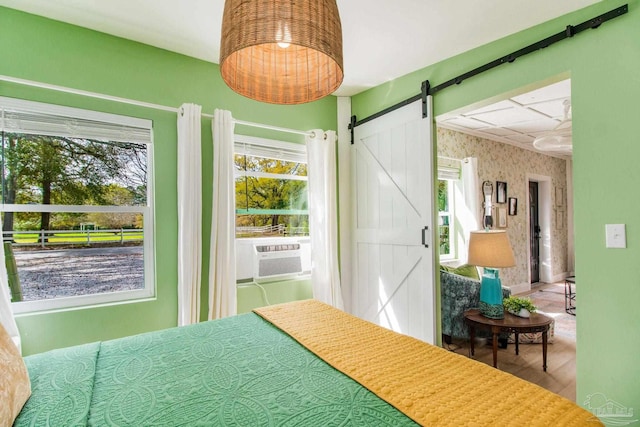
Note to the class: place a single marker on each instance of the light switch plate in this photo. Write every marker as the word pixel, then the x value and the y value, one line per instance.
pixel 616 236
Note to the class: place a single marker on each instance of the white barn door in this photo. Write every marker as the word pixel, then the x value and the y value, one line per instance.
pixel 392 187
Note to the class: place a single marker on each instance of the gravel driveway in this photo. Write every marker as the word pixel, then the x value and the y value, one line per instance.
pixel 57 273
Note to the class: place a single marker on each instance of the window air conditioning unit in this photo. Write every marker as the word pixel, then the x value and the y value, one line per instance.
pixel 279 261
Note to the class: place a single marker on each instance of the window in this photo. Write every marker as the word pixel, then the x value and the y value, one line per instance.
pixel 76 205
pixel 272 216
pixel 448 173
pixel 445 218
pixel 271 188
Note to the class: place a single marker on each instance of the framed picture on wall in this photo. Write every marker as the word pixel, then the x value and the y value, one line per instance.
pixel 502 217
pixel 559 196
pixel 501 194
pixel 513 206
pixel 559 220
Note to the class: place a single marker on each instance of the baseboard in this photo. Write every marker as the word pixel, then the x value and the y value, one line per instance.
pixel 557 277
pixel 520 289
pixel 560 277
pixel 523 288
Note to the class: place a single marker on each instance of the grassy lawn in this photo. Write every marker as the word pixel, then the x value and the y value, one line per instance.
pixel 77 237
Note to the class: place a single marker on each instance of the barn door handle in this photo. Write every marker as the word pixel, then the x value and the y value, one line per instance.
pixel 424 236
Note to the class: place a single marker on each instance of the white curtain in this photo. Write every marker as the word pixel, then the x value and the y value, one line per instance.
pixel 467 204
pixel 323 217
pixel 222 265
pixel 189 213
pixel 6 312
pixel 471 185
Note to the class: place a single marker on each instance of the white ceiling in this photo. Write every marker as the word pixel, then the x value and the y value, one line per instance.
pixel 518 120
pixel 382 39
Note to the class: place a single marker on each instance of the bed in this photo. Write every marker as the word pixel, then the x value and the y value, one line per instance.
pixel 297 364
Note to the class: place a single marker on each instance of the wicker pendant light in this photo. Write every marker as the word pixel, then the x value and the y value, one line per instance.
pixel 281 51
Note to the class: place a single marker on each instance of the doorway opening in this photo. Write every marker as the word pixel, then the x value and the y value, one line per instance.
pixel 539 227
pixel 499 133
pixel 534 233
pixel 507 129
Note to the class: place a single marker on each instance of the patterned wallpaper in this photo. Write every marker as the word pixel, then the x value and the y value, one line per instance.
pixel 503 162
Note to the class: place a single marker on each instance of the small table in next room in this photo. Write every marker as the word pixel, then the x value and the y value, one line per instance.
pixel 513 324
pixel 570 295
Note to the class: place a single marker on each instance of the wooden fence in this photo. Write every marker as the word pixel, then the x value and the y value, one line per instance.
pixel 45 238
pixel 270 230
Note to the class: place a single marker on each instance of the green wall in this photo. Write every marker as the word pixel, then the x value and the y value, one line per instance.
pixel 253 295
pixel 47 51
pixel 604 66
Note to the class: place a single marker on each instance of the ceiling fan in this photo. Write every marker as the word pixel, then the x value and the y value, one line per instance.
pixel 560 138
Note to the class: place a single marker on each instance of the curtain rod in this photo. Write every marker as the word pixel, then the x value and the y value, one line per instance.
pixel 88 94
pixel 276 128
pixel 137 103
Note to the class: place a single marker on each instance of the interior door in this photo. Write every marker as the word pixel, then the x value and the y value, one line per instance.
pixel 393 257
pixel 534 232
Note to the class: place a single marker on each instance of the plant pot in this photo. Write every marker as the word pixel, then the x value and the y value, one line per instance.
pixel 522 313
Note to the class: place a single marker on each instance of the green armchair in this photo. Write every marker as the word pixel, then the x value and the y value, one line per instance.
pixel 458 294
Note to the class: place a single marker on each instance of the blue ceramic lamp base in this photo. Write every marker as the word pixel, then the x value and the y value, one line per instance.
pixel 491 295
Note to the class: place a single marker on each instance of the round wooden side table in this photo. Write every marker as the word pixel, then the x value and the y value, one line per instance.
pixel 512 324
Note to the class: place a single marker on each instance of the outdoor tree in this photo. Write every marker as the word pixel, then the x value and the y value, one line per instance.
pixel 443 206
pixel 40 169
pixel 117 196
pixel 267 190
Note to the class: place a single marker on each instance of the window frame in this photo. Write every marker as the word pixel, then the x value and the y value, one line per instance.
pixel 147 210
pixel 244 142
pixel 279 150
pixel 451 214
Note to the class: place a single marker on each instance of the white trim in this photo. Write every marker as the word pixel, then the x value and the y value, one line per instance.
pixel 276 128
pixel 520 288
pixel 344 194
pixel 59 110
pixel 86 93
pixel 559 277
pixel 149 229
pixel 571 251
pixel 451 213
pixel 137 103
pixel 81 301
pixel 76 208
pixel 270 175
pixel 240 140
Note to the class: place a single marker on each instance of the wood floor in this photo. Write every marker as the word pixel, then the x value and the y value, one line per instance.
pixel 560 377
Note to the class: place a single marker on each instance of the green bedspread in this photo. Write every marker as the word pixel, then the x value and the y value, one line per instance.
pixel 238 371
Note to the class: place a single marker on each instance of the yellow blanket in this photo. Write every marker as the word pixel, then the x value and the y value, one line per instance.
pixel 430 385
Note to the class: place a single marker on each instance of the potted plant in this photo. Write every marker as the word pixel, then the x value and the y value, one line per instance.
pixel 519 306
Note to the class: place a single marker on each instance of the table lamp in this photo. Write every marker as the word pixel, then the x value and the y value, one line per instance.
pixel 491 250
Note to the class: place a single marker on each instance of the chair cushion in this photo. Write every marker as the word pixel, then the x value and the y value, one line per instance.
pixel 15 387
pixel 465 270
